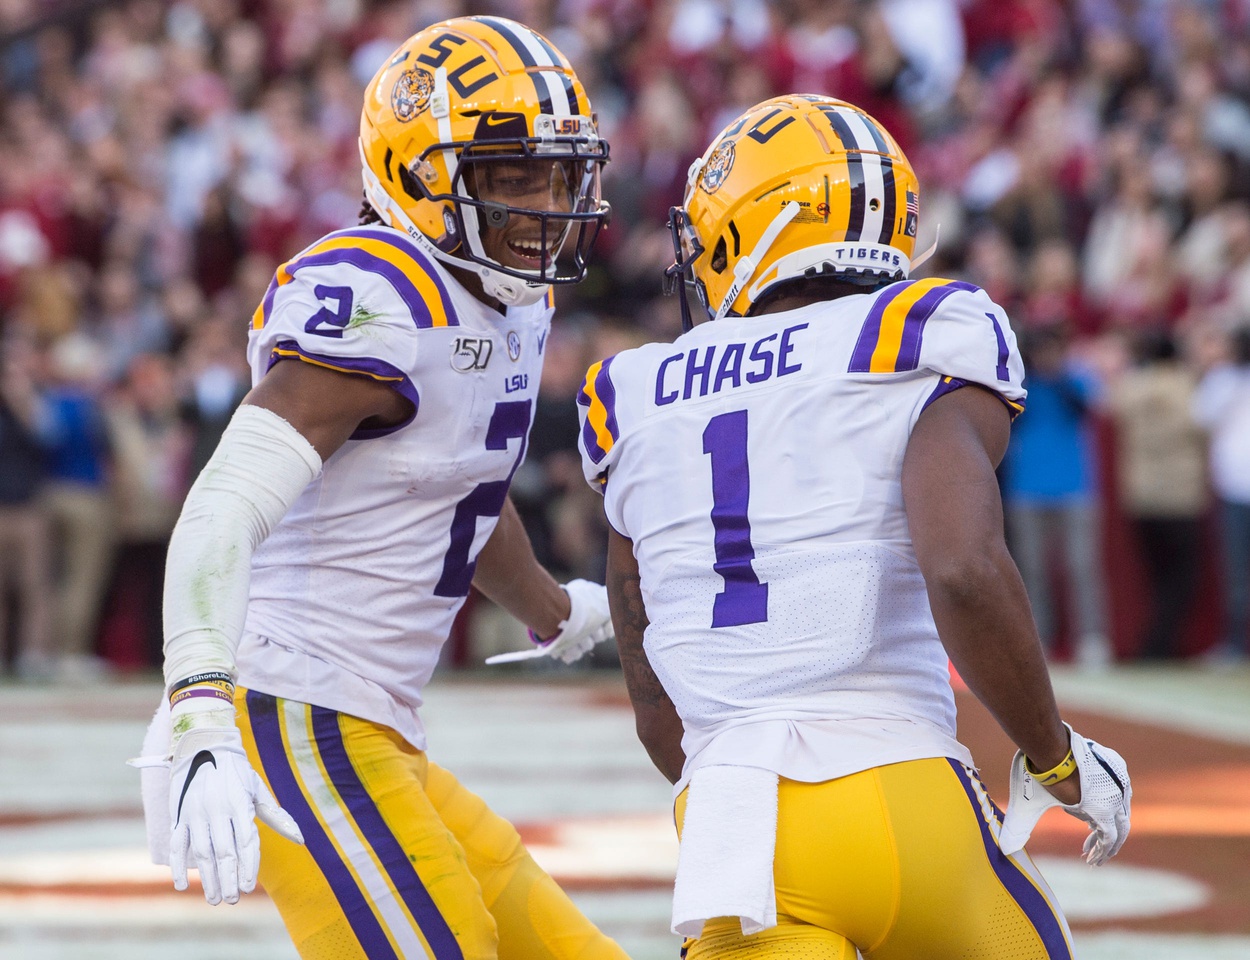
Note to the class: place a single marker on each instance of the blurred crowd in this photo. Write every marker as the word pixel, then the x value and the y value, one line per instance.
pixel 1088 162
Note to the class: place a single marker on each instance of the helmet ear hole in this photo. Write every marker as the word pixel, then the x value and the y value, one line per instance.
pixel 409 183
pixel 720 256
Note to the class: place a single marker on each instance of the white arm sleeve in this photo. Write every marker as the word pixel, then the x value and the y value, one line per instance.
pixel 260 467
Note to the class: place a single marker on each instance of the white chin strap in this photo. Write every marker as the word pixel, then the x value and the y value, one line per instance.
pixel 744 269
pixel 510 291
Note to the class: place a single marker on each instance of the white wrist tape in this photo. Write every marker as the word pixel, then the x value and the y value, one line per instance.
pixel 260 467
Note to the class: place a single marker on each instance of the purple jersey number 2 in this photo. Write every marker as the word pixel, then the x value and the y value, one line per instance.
pixel 744 599
pixel 510 421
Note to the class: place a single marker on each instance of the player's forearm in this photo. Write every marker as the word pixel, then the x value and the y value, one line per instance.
pixel 983 617
pixel 509 574
pixel 955 514
pixel 256 473
pixel 659 727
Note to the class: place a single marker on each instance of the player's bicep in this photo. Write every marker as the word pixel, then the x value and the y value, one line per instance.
pixel 950 491
pixel 327 406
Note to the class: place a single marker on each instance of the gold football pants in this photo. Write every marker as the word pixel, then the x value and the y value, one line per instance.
pixel 901 862
pixel 399 861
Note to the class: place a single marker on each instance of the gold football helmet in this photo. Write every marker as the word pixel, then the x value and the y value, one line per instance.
pixel 798 186
pixel 461 110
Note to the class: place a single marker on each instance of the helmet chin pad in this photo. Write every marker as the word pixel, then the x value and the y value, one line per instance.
pixel 510 291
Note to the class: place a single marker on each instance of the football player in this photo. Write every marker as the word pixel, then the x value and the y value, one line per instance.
pixel 359 491
pixel 805 525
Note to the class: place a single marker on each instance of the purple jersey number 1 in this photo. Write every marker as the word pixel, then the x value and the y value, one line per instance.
pixel 744 599
pixel 510 421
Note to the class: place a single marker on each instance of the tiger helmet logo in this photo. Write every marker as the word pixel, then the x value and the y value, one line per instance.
pixel 717 167
pixel 412 92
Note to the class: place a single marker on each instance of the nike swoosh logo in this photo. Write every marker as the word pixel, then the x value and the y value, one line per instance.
pixel 200 759
pixel 493 121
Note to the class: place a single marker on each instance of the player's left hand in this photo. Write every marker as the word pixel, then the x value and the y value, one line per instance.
pixel 1105 803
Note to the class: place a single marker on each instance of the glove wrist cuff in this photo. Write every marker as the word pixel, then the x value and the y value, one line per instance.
pixel 1056 774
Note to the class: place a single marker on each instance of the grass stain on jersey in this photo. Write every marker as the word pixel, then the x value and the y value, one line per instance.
pixel 361 316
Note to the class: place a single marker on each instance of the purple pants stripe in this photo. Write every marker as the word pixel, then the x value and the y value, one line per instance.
pixel 870 333
pixel 379 836
pixel 1021 888
pixel 262 709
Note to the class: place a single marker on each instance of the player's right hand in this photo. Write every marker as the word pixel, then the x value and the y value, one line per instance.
pixel 1105 804
pixel 589 622
pixel 214 797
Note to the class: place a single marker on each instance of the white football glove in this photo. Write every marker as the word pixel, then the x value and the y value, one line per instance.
pixel 588 623
pixel 214 794
pixel 1106 796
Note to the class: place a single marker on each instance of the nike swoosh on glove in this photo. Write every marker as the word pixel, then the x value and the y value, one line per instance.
pixel 214 797
pixel 1106 799
pixel 589 622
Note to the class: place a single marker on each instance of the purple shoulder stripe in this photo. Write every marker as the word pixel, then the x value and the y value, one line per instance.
pixel 918 316
pixel 372 264
pixel 870 333
pixel 400 242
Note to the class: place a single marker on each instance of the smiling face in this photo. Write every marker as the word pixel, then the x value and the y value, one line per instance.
pixel 540 184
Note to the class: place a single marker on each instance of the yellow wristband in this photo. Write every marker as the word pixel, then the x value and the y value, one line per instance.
pixel 1059 772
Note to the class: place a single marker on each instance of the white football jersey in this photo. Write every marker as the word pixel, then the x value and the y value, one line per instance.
pixel 756 465
pixel 354 592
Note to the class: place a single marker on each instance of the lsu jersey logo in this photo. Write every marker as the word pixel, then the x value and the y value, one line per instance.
pixel 470 353
pixel 717 167
pixel 411 93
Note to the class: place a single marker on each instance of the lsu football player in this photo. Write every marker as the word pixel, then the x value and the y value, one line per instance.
pixel 805 525
pixel 359 491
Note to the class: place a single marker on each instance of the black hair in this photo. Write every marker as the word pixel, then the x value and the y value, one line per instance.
pixel 817 288
pixel 368 215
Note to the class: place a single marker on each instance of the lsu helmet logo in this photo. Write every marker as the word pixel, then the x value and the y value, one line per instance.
pixel 412 92
pixel 717 167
